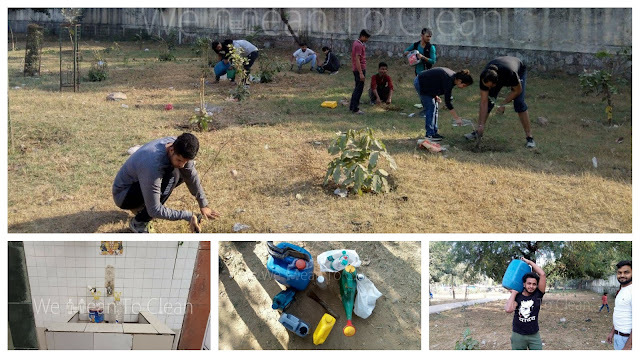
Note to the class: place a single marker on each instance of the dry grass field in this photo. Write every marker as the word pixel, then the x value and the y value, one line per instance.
pixel 568 321
pixel 67 147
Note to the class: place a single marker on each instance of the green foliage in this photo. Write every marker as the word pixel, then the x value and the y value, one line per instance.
pixel 170 41
pixel 467 343
pixel 34 48
pixel 356 167
pixel 269 66
pixel 589 259
pixel 604 82
pixel 241 91
pixel 491 258
pixel 201 45
pixel 98 70
pixel 202 121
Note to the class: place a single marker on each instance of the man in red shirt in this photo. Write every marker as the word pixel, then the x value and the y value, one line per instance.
pixel 381 89
pixel 359 64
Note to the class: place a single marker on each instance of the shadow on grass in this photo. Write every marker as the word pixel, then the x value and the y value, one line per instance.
pixel 81 222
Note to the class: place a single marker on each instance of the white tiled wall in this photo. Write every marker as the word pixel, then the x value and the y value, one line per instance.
pixel 152 275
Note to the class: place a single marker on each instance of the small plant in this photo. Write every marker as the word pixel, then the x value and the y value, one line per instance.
pixel 269 66
pixel 202 119
pixel 355 168
pixel 241 91
pixel 98 70
pixel 604 82
pixel 170 42
pixel 467 343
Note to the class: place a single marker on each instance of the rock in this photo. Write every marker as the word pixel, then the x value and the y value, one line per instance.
pixel 240 210
pixel 411 115
pixel 133 149
pixel 237 227
pixel 563 320
pixel 366 262
pixel 298 196
pixel 619 140
pixel 170 88
pixel 543 121
pixel 116 96
pixel 493 182
pixel 124 106
pixel 340 192
pixel 518 200
pixel 234 173
pixel 266 146
pixel 594 161
pixel 588 320
pixel 483 342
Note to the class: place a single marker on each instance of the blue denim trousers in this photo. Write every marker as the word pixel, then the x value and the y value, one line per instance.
pixel 430 107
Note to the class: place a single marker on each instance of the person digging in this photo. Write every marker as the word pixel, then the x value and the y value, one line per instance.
pixel 148 177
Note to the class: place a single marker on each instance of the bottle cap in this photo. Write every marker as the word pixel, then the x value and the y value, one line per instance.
pixel 320 279
pixel 300 264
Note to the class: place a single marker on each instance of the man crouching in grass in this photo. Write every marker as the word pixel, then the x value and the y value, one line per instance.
pixel 147 178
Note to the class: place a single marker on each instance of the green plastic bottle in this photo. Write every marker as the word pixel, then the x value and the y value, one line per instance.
pixel 348 295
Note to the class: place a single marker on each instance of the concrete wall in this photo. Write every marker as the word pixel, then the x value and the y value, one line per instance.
pixel 609 285
pixel 545 38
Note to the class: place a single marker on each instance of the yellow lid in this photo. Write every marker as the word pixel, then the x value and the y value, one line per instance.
pixel 349 268
pixel 328 318
pixel 349 331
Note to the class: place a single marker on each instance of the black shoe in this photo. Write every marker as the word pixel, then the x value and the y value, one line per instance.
pixel 435 138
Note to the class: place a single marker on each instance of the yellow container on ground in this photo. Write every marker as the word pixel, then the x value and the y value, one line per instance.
pixel 324 328
pixel 329 104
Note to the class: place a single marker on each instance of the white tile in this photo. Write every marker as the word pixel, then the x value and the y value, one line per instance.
pixel 157 283
pixel 185 284
pixel 155 292
pixel 112 341
pixel 157 274
pixel 72 341
pixel 152 252
pixel 192 253
pixel 141 252
pixel 139 263
pixel 182 253
pixel 155 342
pixel 153 244
pixel 187 274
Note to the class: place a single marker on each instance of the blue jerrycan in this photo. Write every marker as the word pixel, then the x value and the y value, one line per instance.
pixel 290 265
pixel 513 276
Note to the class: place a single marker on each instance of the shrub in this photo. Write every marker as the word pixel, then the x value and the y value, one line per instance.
pixel 355 168
pixel 467 343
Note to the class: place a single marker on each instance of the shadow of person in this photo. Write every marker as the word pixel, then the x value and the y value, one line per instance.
pixel 81 222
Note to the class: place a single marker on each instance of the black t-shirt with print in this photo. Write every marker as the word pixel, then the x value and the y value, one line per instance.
pixel 526 315
pixel 510 71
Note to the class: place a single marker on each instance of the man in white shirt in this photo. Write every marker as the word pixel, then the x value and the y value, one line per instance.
pixel 304 55
pixel 620 334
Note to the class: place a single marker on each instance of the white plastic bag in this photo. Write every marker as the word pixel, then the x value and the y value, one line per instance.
pixel 366 296
pixel 337 260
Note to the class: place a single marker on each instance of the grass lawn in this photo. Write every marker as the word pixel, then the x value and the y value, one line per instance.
pixel 67 148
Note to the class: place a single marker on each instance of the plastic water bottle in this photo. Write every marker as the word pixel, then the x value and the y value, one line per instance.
pixel 321 282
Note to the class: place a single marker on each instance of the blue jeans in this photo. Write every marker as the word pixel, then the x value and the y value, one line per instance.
pixel 430 110
pixel 302 61
pixel 603 305
pixel 354 105
pixel 619 341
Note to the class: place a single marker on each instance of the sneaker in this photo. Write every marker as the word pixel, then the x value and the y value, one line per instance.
pixel 471 136
pixel 435 138
pixel 530 142
pixel 359 112
pixel 140 227
pixel 334 73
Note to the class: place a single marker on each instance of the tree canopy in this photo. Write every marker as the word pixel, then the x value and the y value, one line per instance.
pixel 560 259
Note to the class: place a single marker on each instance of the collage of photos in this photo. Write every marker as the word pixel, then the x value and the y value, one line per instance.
pixel 344 214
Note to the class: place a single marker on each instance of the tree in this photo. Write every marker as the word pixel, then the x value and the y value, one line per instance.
pixel 590 259
pixel 491 258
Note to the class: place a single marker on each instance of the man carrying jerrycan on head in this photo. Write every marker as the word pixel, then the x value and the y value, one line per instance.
pixel 525 303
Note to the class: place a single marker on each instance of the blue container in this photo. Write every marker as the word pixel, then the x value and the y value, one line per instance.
pixel 291 271
pixel 294 324
pixel 221 68
pixel 283 299
pixel 513 276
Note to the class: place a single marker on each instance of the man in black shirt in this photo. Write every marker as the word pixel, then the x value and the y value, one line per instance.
pixel 526 308
pixel 500 72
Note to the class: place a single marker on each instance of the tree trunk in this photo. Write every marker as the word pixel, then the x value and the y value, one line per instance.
pixel 285 20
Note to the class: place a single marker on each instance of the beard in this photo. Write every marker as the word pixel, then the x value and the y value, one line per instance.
pixel 624 281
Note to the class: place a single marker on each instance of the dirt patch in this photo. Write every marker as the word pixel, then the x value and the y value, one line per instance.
pixel 245 291
pixel 568 321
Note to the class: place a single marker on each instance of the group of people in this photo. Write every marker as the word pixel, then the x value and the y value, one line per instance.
pixel 526 305
pixel 432 82
pixel 148 177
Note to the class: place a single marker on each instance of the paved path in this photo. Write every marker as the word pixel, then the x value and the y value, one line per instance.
pixel 450 306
